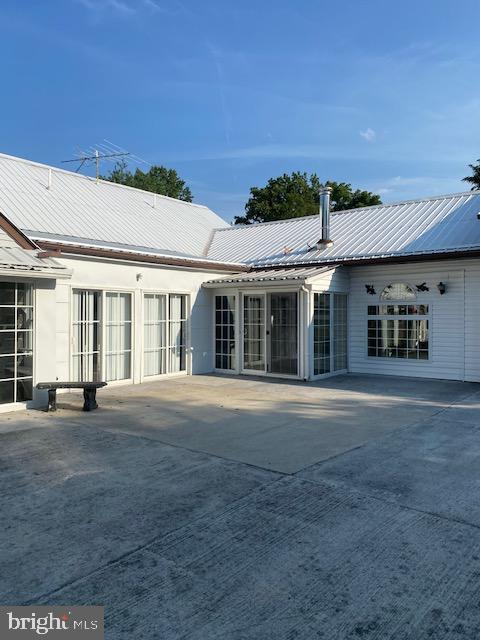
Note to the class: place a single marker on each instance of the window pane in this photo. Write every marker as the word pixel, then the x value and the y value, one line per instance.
pixel 24 295
pixel 24 365
pixel 321 333
pixel 7 318
pixel 7 293
pixel 7 342
pixel 24 318
pixel 24 341
pixel 7 367
pixel 7 391
pixel 24 390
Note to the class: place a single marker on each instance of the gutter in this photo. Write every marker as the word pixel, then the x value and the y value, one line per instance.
pixel 414 257
pixel 135 256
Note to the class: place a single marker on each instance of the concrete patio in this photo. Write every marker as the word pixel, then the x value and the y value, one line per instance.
pixel 214 507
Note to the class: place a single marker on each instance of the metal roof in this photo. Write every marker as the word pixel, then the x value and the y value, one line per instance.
pixel 267 276
pixel 24 260
pixel 434 225
pixel 44 201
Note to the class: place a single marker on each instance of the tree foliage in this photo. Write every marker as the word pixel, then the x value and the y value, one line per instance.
pixel 157 179
pixel 474 179
pixel 297 195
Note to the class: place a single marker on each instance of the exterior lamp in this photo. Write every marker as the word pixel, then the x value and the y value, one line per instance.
pixel 370 289
pixel 442 287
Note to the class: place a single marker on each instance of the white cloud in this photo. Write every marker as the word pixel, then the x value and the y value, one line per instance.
pixel 114 5
pixel 369 134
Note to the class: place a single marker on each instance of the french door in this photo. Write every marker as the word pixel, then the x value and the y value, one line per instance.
pixel 165 318
pixel 101 335
pixel 254 333
pixel 270 333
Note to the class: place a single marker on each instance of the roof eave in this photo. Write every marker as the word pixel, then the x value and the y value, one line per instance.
pixel 132 256
pixel 447 254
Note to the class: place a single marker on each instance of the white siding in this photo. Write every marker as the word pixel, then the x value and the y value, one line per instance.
pixel 335 280
pixel 454 319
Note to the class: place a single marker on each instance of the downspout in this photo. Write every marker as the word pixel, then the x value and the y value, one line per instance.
pixel 305 335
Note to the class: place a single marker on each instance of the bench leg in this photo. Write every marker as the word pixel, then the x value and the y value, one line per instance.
pixel 90 396
pixel 52 400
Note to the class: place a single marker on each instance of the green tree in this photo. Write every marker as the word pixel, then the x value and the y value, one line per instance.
pixel 297 195
pixel 474 180
pixel 157 179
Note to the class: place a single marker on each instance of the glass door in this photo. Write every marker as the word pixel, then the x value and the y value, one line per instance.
pixel 86 356
pixel 154 334
pixel 177 319
pixel 283 333
pixel 118 340
pixel 329 333
pixel 254 332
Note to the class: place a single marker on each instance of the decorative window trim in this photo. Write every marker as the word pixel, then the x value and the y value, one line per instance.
pixel 398 291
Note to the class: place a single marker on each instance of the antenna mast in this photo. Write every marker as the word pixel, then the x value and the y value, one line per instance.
pixel 95 156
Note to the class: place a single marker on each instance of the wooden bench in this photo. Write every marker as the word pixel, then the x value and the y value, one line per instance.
pixel 89 392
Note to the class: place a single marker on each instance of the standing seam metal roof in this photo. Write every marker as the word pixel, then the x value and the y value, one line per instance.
pixel 27 260
pixel 79 206
pixel 444 223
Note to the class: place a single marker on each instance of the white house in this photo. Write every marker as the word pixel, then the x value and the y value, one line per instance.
pixel 99 281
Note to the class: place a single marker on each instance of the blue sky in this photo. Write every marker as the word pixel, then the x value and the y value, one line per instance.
pixel 380 94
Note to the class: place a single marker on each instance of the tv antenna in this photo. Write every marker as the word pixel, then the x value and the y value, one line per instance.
pixel 103 151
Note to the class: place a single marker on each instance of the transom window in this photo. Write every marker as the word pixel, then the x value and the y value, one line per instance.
pixel 398 291
pixel 398 331
pixel 16 342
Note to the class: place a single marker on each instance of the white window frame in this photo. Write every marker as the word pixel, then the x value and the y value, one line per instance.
pixel 234 295
pixel 332 372
pixel 103 292
pixel 188 364
pixel 21 404
pixel 239 294
pixel 428 316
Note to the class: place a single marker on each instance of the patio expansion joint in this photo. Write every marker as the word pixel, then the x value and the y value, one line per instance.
pixel 149 543
pixel 182 447
pixel 383 500
pixel 404 427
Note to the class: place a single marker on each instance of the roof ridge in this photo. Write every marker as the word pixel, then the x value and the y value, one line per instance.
pixel 344 211
pixel 92 179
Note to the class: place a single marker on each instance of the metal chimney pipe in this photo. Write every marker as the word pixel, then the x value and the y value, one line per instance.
pixel 325 217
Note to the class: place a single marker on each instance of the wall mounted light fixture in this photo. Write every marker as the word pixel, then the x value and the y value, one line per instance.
pixel 370 289
pixel 442 287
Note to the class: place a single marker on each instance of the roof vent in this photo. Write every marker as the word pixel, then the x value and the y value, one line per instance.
pixel 325 218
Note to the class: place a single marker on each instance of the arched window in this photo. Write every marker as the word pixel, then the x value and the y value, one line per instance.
pixel 399 327
pixel 398 291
